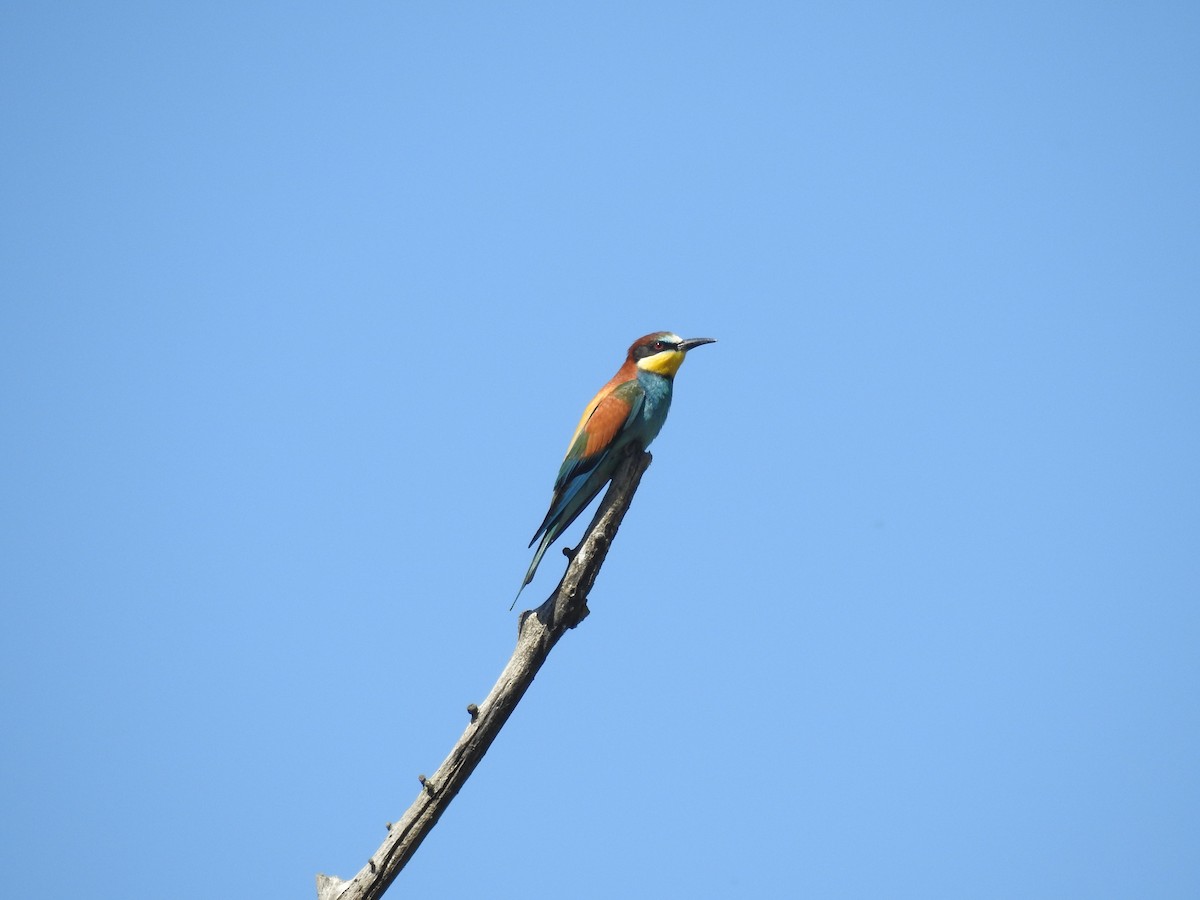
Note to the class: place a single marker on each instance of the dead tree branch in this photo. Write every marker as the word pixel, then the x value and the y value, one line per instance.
pixel 537 633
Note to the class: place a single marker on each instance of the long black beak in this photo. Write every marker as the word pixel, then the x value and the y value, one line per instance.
pixel 687 345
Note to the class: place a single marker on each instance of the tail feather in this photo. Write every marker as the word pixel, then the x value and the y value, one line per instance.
pixel 547 539
pixel 565 509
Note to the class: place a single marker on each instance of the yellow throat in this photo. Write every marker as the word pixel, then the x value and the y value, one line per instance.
pixel 667 362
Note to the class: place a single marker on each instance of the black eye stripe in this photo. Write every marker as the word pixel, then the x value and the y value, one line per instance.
pixel 656 346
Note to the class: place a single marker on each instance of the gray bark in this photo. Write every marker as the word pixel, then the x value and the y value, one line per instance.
pixel 538 630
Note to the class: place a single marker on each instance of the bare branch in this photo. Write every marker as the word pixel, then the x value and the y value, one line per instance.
pixel 537 633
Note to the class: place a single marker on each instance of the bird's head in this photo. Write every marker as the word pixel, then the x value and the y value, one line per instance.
pixel 662 352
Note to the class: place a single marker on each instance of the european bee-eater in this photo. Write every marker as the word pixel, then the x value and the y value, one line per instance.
pixel 631 407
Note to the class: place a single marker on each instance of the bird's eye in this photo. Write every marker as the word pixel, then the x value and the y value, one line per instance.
pixel 659 345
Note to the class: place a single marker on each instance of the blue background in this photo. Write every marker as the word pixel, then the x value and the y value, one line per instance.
pixel 301 303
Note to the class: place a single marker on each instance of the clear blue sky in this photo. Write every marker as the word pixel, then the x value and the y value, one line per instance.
pixel 302 302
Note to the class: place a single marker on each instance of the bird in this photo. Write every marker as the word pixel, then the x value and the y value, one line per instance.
pixel 631 407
